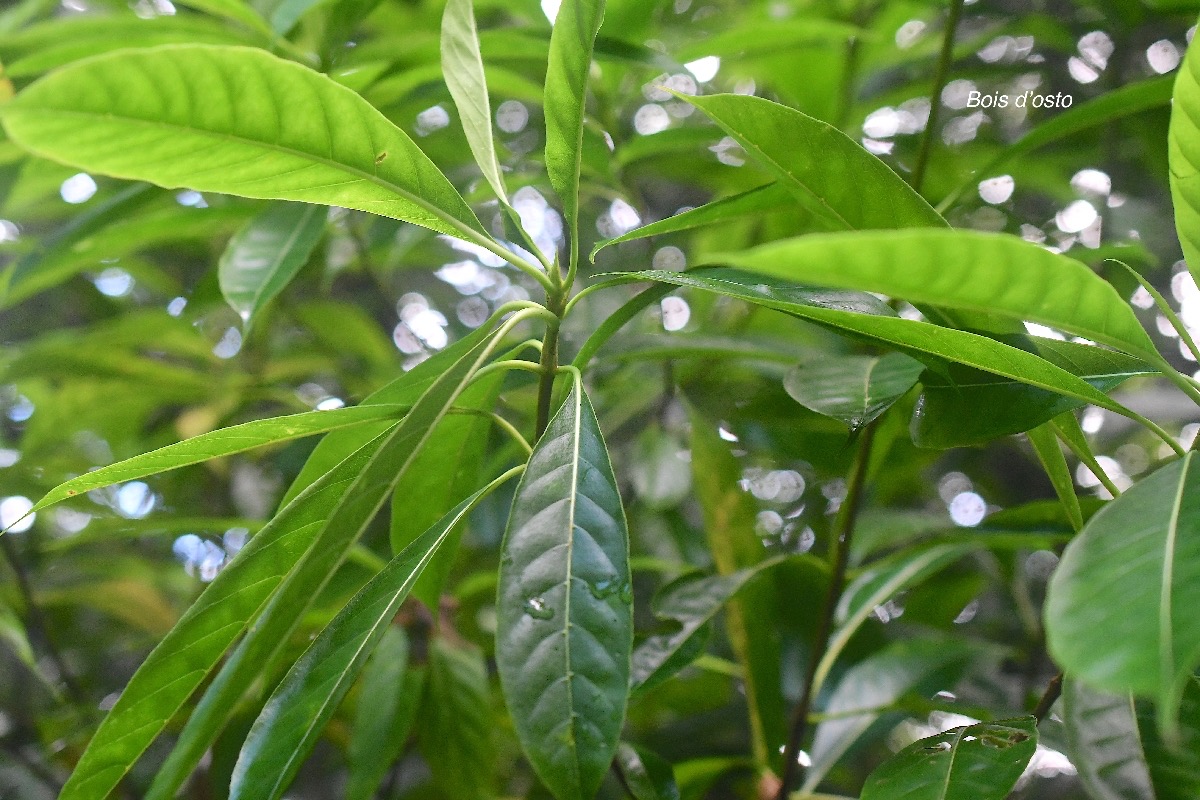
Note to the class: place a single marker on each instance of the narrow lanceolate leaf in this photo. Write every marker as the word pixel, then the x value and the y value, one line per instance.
pixel 455 729
pixel 1183 149
pixel 462 66
pixel 870 686
pixel 864 316
pixel 689 604
pixel 387 710
pixel 288 726
pixel 1102 736
pixel 1120 608
pixel 976 762
pixel 853 389
pixel 826 171
pixel 571 44
pixel 267 253
pixel 1045 444
pixel 223 442
pixel 564 610
pixel 755 202
pixel 166 115
pixel 979 272
pixel 301 578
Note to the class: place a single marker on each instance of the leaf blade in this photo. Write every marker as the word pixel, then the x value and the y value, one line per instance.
pixel 462 66
pixel 853 389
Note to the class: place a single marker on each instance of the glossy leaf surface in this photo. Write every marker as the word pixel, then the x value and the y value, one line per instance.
pixel 456 726
pixel 976 762
pixel 1102 733
pixel 1183 143
pixel 853 389
pixel 564 606
pixel 267 253
pixel 168 115
pixel 391 690
pixel 1120 606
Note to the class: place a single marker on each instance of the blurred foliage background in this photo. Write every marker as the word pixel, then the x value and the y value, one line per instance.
pixel 117 340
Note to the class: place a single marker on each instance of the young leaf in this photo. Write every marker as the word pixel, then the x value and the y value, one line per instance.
pixel 1183 149
pixel 267 253
pixel 826 171
pixel 980 272
pixel 1120 607
pixel 571 45
pixel 1102 735
pixel 289 724
pixel 303 577
pixel 873 684
pixel 223 442
pixel 976 762
pixel 166 115
pixel 646 775
pixel 455 733
pixel 387 710
pixel 462 66
pixel 564 610
pixel 690 602
pixel 853 389
pixel 1050 454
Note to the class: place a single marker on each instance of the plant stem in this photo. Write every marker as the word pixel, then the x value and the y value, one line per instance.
pixel 1049 697
pixel 840 559
pixel 548 364
pixel 935 99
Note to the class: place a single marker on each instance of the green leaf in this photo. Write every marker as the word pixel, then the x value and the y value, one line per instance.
pixel 755 202
pixel 462 66
pixel 564 609
pixel 826 171
pixel 1174 767
pixel 1103 740
pixel 853 389
pixel 647 776
pixel 1120 608
pixel 455 732
pixel 387 710
pixel 863 315
pixel 869 687
pixel 288 726
pixel 689 603
pixel 328 539
pixel 947 417
pixel 223 442
pixel 235 10
pixel 571 44
pixel 1183 150
pixel 1045 444
pixel 976 762
pixel 659 473
pixel 981 272
pixel 12 633
pixel 264 256
pixel 167 115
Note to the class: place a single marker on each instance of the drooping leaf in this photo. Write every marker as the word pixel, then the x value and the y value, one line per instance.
pixel 299 581
pixel 289 724
pixel 564 608
pixel 1183 149
pixel 462 66
pixel 267 253
pixel 863 315
pixel 689 603
pixel 853 389
pixel 1045 444
pixel 984 273
pixel 455 732
pixel 647 776
pixel 166 115
pixel 387 710
pixel 826 171
pixel 873 684
pixel 975 762
pixel 571 45
pixel 1102 734
pixel 1174 766
pixel 1119 611
pixel 223 442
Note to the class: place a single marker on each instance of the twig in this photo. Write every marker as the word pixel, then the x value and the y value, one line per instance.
pixel 935 100
pixel 1049 697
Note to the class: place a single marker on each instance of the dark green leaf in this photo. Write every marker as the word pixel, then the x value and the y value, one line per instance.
pixel 564 607
pixel 1120 608
pixel 853 389
pixel 1102 735
pixel 267 253
pixel 647 776
pixel 976 762
pixel 387 710
pixel 1174 766
pixel 455 733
